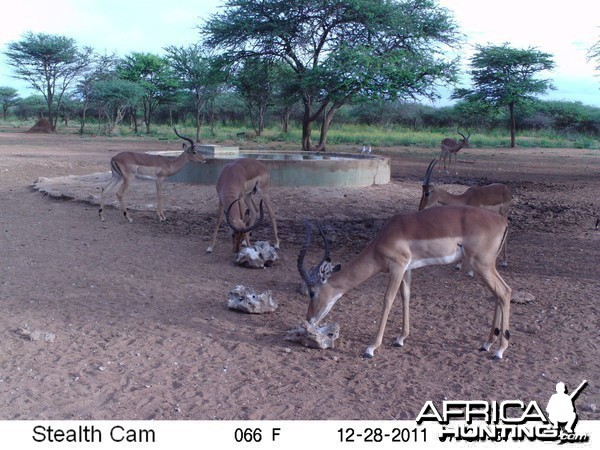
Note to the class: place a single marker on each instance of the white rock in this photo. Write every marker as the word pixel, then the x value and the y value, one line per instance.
pixel 314 337
pixel 246 300
pixel 260 255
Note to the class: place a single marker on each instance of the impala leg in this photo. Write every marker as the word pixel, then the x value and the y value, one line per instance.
pixel 267 200
pixel 500 325
pixel 505 261
pixel 245 238
pixel 121 195
pixel 459 264
pixel 495 330
pixel 217 225
pixel 405 293
pixel 396 276
pixel 159 200
pixel 105 190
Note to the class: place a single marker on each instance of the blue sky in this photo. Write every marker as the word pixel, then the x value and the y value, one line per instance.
pixel 567 31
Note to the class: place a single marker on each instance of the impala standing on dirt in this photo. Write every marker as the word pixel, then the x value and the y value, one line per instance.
pixel 126 166
pixel 451 147
pixel 237 182
pixel 494 197
pixel 429 237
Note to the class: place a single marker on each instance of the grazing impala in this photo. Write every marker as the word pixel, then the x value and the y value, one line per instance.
pixel 128 165
pixel 451 147
pixel 432 236
pixel 495 197
pixel 237 182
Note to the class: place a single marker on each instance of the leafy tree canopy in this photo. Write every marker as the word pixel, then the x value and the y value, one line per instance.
pixel 49 63
pixel 505 77
pixel 341 49
pixel 154 75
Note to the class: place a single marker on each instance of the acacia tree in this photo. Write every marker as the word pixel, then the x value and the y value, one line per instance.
pixel 255 82
pixel 49 63
pixel 198 72
pixel 115 97
pixel 102 68
pixel 506 77
pixel 341 49
pixel 8 97
pixel 154 75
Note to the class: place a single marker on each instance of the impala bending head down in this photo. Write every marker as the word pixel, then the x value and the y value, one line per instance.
pixel 408 241
pixel 237 183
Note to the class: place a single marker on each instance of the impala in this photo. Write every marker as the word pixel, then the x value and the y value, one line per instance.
pixel 237 182
pixel 432 236
pixel 451 147
pixel 495 197
pixel 126 166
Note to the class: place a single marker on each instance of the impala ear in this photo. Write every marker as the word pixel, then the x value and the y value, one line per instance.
pixel 326 269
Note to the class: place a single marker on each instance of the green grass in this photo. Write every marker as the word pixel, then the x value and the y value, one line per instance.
pixel 355 135
pixel 358 135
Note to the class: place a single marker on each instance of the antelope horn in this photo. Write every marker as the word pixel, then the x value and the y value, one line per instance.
pixel 466 138
pixel 185 138
pixel 302 255
pixel 428 173
pixel 325 244
pixel 247 229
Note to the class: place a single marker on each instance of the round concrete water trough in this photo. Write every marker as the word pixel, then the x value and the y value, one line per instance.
pixel 292 168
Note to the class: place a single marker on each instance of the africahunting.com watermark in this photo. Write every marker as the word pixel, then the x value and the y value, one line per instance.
pixel 510 420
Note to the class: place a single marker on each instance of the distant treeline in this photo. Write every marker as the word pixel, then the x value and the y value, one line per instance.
pixel 229 110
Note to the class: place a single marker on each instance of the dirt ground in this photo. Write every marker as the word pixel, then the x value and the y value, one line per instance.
pixel 133 316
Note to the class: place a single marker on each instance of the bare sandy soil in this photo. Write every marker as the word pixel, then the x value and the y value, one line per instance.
pixel 136 320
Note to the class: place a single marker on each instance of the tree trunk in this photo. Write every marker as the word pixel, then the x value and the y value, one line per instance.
pixel 261 119
pixel 49 102
pixel 83 118
pixel 511 109
pixel 285 119
pixel 327 119
pixel 306 121
pixel 198 124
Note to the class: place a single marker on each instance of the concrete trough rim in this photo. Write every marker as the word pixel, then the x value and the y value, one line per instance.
pixel 309 169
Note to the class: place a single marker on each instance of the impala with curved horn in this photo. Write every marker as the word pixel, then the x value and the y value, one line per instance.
pixel 239 233
pixel 433 236
pixel 126 166
pixel 237 182
pixel 495 197
pixel 451 147
pixel 320 272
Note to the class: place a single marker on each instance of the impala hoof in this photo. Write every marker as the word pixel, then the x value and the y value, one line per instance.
pixel 483 349
pixel 367 355
pixel 497 358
